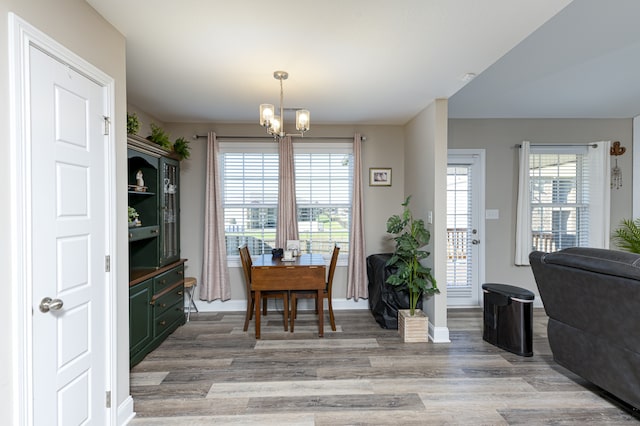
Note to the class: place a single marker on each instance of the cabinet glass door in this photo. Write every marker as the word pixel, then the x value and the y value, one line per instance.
pixel 169 214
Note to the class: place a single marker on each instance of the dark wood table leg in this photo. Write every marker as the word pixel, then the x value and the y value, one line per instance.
pixel 286 311
pixel 320 313
pixel 258 297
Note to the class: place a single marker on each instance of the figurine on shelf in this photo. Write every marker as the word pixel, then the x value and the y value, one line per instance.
pixel 139 179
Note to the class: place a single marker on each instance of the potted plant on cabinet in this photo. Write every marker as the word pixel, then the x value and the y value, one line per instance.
pixel 134 217
pixel 160 137
pixel 181 148
pixel 133 124
pixel 411 237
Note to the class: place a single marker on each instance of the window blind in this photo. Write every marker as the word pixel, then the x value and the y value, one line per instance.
pixel 459 231
pixel 250 198
pixel 324 182
pixel 559 188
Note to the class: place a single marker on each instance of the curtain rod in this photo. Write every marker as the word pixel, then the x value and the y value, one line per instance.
pixel 592 145
pixel 362 138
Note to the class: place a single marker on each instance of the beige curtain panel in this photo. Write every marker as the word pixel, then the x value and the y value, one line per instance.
pixel 287 228
pixel 215 274
pixel 357 271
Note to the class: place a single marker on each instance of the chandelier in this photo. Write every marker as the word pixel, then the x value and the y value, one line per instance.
pixel 274 123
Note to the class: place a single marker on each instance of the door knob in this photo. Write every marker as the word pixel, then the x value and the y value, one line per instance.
pixel 48 304
pixel 475 241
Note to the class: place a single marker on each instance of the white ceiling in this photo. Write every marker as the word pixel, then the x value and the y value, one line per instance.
pixel 378 61
pixel 583 63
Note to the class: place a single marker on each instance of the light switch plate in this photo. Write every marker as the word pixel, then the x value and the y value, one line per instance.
pixel 492 214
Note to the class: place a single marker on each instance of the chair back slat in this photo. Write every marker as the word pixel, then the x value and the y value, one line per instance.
pixel 332 267
pixel 245 258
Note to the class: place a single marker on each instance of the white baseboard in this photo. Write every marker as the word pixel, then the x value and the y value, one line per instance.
pixel 125 411
pixel 438 334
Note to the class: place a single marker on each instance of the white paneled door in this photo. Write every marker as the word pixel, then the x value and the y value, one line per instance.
pixel 69 243
pixel 465 227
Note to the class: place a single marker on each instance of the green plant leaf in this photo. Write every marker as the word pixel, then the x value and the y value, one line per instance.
pixel 160 137
pixel 182 148
pixel 133 124
pixel 410 237
pixel 627 236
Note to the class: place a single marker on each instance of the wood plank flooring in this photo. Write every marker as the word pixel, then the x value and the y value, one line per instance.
pixel 211 372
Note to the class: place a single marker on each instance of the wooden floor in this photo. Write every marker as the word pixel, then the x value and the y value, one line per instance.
pixel 211 372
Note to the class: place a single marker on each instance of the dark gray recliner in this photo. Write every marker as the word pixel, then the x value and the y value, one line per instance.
pixel 592 298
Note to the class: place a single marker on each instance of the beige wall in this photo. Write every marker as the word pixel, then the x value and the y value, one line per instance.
pixel 499 138
pixel 425 180
pixel 79 28
pixel 383 148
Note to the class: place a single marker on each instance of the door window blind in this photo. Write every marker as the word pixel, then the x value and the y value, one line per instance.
pixel 459 230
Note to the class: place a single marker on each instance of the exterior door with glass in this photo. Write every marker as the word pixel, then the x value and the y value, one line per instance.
pixel 465 226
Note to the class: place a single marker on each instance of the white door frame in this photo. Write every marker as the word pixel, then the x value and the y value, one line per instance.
pixel 21 37
pixel 480 179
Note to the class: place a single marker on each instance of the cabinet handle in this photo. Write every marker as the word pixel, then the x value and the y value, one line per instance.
pixel 163 282
pixel 163 305
pixel 130 235
pixel 180 293
pixel 154 231
pixel 180 272
pixel 163 323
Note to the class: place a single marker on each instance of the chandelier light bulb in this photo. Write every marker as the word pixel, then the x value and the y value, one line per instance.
pixel 275 125
pixel 302 120
pixel 266 114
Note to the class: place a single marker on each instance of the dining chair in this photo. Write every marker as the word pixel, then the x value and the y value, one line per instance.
pixel 313 294
pixel 245 258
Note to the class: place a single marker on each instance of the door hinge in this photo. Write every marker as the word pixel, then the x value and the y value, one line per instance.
pixel 107 124
pixel 108 399
pixel 107 263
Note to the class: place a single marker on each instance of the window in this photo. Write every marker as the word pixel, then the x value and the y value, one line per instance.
pixel 564 198
pixel 250 196
pixel 559 200
pixel 324 182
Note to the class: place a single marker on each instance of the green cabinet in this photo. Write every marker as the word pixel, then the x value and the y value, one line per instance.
pixel 169 211
pixel 156 272
pixel 140 319
pixel 156 309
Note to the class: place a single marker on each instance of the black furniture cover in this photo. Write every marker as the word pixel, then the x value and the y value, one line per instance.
pixel 385 299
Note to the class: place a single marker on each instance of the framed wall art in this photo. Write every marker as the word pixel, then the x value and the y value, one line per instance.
pixel 379 176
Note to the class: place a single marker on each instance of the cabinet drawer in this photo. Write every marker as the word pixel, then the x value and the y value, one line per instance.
pixel 167 322
pixel 167 279
pixel 143 232
pixel 164 302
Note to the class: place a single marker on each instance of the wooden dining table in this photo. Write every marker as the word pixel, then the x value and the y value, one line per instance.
pixel 304 272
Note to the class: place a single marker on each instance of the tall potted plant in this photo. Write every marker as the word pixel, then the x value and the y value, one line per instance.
pixel 410 236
